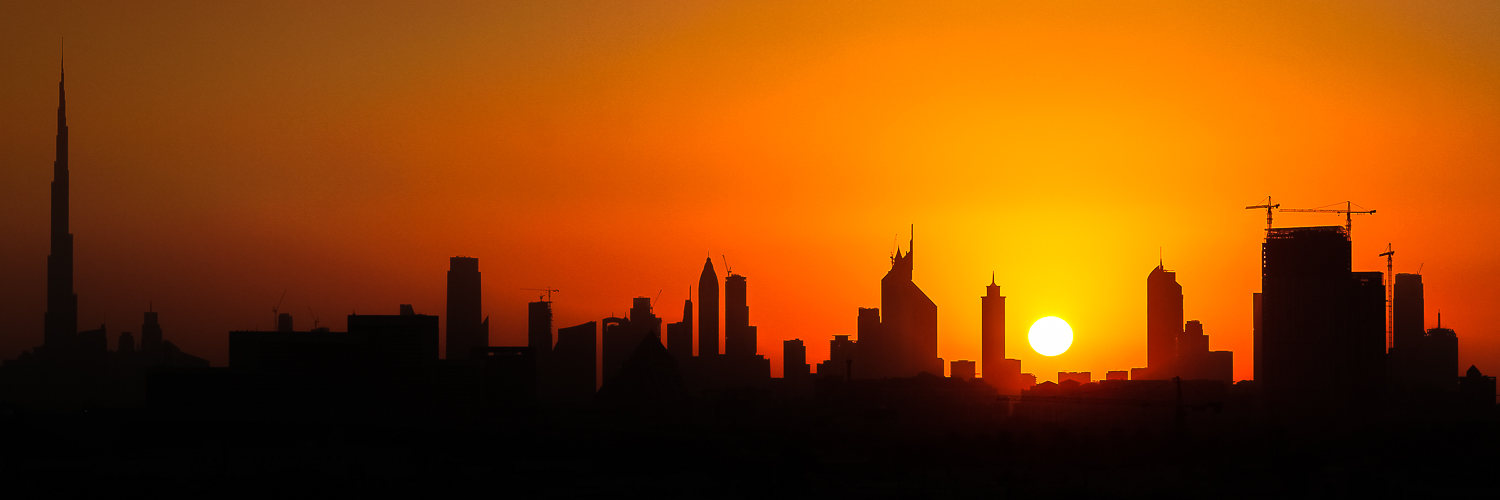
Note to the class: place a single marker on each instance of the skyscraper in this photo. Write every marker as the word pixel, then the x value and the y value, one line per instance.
pixel 1163 323
pixel 991 331
pixel 1408 304
pixel 623 336
pixel 60 325
pixel 151 341
pixel 1255 333
pixel 466 328
pixel 575 359
pixel 680 334
pixel 1422 361
pixel 794 359
pixel 1321 325
pixel 539 329
pixel 739 336
pixel 708 310
pixel 905 343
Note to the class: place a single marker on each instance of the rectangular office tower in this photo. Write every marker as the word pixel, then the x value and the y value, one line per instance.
pixel 739 336
pixel 1423 361
pixel 466 328
pixel 680 335
pixel 575 362
pixel 539 328
pixel 1321 332
pixel 794 359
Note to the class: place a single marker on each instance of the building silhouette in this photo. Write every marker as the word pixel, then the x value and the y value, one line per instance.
pixel 1408 307
pixel 1321 327
pixel 741 364
pixel 680 334
pixel 794 359
pixel 622 336
pixel 1255 332
pixel 467 329
pixel 1477 390
pixel 961 369
pixel 60 323
pixel 1421 360
pixel 373 342
pixel 841 355
pixel 1196 362
pixel 1079 377
pixel 1004 374
pixel 539 329
pixel 574 361
pixel 708 310
pixel 739 336
pixel 991 330
pixel 904 341
pixel 1432 365
pixel 126 344
pixel 1163 324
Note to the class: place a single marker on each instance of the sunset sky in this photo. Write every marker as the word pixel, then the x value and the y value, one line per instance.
pixel 342 151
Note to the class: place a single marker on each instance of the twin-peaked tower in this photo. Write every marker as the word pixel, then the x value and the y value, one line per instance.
pixel 904 342
pixel 61 322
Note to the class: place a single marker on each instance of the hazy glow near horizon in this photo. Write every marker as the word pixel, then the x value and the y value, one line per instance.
pixel 1050 336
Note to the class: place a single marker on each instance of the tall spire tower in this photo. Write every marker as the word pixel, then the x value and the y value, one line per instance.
pixel 61 323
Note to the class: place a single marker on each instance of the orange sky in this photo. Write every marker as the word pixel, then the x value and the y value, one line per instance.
pixel 343 151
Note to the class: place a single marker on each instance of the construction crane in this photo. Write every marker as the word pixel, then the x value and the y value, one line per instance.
pixel 1268 206
pixel 1390 283
pixel 726 264
pixel 1348 211
pixel 549 291
pixel 314 317
pixel 276 311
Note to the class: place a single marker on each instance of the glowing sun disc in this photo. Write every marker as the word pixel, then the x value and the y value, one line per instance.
pixel 1050 336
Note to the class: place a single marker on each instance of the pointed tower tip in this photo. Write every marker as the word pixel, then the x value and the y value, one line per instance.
pixel 992 278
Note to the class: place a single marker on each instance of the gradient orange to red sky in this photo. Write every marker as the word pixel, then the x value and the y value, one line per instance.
pixel 342 151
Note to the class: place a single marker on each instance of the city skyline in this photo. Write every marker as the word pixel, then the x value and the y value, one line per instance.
pixel 211 239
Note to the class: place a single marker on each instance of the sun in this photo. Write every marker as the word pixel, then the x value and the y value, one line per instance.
pixel 1050 336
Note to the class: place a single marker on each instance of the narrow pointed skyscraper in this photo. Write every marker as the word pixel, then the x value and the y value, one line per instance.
pixel 61 322
pixel 708 310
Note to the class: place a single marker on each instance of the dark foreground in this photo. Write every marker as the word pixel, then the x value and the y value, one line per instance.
pixel 581 453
